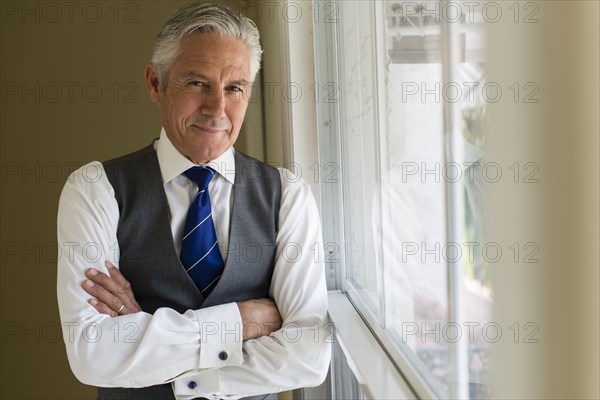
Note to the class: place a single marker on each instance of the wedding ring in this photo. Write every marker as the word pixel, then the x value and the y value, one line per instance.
pixel 120 309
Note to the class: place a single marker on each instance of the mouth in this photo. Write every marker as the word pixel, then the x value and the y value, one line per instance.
pixel 208 129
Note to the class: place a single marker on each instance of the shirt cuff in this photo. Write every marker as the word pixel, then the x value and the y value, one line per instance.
pixel 220 336
pixel 205 384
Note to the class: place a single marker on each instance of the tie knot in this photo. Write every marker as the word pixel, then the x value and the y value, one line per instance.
pixel 201 175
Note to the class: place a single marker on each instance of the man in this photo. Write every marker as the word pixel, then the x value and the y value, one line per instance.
pixel 246 314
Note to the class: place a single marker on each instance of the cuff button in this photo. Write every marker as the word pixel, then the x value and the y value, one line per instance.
pixel 192 385
pixel 223 356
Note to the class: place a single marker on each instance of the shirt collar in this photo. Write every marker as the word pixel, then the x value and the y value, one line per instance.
pixel 172 163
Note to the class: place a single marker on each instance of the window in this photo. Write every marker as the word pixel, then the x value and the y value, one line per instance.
pixel 411 116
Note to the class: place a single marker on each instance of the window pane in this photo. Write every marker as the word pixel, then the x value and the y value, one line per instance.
pixel 413 196
pixel 395 173
pixel 360 147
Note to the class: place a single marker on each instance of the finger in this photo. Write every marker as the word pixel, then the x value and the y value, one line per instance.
pixel 130 303
pixel 102 295
pixel 116 289
pixel 107 282
pixel 117 276
pixel 102 308
pixel 113 290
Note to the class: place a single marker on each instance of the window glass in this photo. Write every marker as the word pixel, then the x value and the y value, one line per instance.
pixel 395 175
pixel 360 149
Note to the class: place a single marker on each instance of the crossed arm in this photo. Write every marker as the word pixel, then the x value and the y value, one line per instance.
pixel 112 295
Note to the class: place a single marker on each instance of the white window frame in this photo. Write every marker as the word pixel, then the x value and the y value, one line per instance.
pixel 312 138
pixel 302 121
pixel 347 309
pixel 332 207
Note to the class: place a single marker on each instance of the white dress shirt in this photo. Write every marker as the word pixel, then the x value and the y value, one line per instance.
pixel 141 349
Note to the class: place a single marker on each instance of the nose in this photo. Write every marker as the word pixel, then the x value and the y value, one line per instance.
pixel 213 103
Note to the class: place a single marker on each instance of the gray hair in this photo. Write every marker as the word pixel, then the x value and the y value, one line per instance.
pixel 203 18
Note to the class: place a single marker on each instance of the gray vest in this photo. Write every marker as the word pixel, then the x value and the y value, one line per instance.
pixel 148 258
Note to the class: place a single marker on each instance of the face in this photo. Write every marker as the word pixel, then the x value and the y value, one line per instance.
pixel 206 96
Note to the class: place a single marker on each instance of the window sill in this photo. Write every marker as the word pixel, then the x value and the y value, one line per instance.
pixel 377 376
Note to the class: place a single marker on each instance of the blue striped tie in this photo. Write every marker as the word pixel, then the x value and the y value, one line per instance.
pixel 200 253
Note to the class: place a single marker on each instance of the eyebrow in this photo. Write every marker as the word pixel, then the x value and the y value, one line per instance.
pixel 193 74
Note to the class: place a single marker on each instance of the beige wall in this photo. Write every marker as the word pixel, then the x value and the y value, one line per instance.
pixel 72 92
pixel 559 213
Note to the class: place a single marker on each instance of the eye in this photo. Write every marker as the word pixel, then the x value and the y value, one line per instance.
pixel 197 84
pixel 234 88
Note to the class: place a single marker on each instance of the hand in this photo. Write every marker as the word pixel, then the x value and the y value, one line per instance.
pixel 259 318
pixel 112 294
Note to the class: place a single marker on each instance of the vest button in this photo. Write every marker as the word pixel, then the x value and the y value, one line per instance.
pixel 192 385
pixel 223 356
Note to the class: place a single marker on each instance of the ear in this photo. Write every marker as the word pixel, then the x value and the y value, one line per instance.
pixel 153 83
